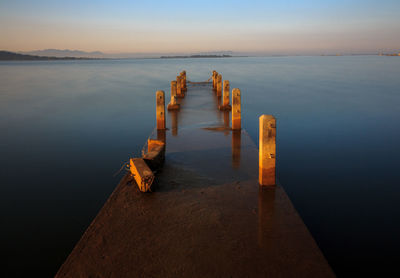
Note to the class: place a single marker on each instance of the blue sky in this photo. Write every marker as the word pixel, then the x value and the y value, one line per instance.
pixel 271 27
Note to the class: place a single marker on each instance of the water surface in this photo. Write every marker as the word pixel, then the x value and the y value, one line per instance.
pixel 67 126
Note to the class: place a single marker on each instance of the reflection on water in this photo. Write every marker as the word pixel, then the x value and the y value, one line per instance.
pixel 67 126
pixel 236 142
pixel 266 201
pixel 226 118
pixel 174 121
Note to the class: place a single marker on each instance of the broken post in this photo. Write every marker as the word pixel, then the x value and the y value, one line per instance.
pixel 155 155
pixel 236 109
pixel 173 105
pixel 219 85
pixel 142 174
pixel 160 110
pixel 267 150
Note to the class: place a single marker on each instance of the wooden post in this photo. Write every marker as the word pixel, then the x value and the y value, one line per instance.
pixel 214 78
pixel 173 92
pixel 267 150
pixel 184 80
pixel 225 96
pixel 173 105
pixel 155 155
pixel 142 174
pixel 236 109
pixel 161 135
pixel 160 109
pixel 179 87
pixel 219 85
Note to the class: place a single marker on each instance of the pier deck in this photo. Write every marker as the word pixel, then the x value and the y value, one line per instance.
pixel 207 216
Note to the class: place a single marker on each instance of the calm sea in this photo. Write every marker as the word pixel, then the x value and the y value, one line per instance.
pixel 67 127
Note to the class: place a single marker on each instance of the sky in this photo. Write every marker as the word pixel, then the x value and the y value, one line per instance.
pixel 251 26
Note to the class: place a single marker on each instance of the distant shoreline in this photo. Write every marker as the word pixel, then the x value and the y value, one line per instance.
pixel 12 56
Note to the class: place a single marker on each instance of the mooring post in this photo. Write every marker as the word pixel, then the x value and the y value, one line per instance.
pixel 179 87
pixel 267 150
pixel 184 80
pixel 225 95
pixel 173 105
pixel 183 83
pixel 214 79
pixel 160 110
pixel 219 85
pixel 236 109
pixel 173 92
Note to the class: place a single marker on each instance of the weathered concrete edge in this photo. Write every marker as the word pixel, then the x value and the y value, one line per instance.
pixel 126 179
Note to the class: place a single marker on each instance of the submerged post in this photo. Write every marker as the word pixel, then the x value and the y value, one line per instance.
pixel 236 110
pixel 160 110
pixel 219 85
pixel 225 95
pixel 267 150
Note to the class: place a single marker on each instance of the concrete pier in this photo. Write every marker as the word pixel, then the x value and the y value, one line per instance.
pixel 207 217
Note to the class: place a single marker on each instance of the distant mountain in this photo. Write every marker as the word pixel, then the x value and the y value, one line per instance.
pixel 66 53
pixel 61 53
pixel 11 56
pixel 197 56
